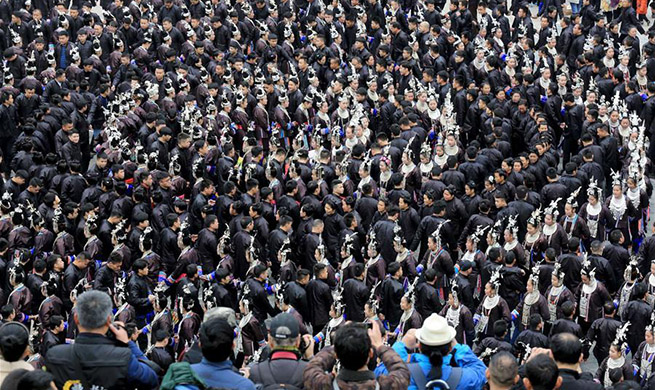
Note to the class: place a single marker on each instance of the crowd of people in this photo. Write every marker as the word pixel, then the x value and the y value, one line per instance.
pixel 326 194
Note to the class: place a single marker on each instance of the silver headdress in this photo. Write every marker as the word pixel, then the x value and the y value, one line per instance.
pixel 594 190
pixel 496 278
pixel 372 242
pixel 479 233
pixel 512 226
pixel 223 246
pixel 410 294
pixel 145 238
pixel 120 232
pixel 373 301
pixel 587 268
pixel 436 235
pixel 622 338
pixel 558 271
pixel 573 198
pixel 632 267
pixel 348 244
pixel 552 208
pixel 535 217
pixel 616 178
pixel 398 237
pixel 534 276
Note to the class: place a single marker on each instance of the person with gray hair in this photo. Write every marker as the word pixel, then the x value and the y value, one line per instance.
pixel 503 372
pixel 289 354
pixel 103 355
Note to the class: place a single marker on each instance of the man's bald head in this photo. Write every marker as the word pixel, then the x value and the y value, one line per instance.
pixel 503 371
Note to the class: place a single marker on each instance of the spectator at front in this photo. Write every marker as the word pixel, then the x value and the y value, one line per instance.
pixel 502 373
pixel 36 380
pixel 354 350
pixel 216 369
pixel 95 359
pixel 14 345
pixel 289 355
pixel 438 346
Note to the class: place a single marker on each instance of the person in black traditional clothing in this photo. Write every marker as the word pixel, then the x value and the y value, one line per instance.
pixel 556 295
pixel 491 345
pixel 53 335
pixel 438 258
pixel 603 332
pixel 553 232
pixel 492 308
pixel 616 360
pixel 391 293
pixel 375 267
pixel 159 352
pixel 404 257
pixel 566 324
pixel 591 296
pixel 249 332
pixel 637 312
pixel 189 324
pixel 459 316
pixel 595 213
pixel 532 337
pixel 52 304
pixel 20 296
pixel 631 276
pixel 622 210
pixel 355 295
pixel 643 357
pixel 410 319
pixel 532 303
pixel 573 224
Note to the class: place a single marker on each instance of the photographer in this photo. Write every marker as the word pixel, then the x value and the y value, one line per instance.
pixel 289 352
pixel 97 358
pixel 354 350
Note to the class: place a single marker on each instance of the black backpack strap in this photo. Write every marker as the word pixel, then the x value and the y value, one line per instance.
pixel 417 373
pixel 269 370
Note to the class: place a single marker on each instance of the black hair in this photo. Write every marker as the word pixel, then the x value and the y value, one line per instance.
pixel 216 337
pixel 14 339
pixel 568 308
pixel 352 345
pixel 542 372
pixel 500 328
pixel 566 348
pixel 435 354
pixel 639 291
pixel 35 380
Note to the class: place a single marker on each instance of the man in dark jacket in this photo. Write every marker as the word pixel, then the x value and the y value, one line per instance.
pixel 295 291
pixel 603 332
pixel 261 307
pixel 105 278
pixel 567 353
pixel 139 295
pixel 392 293
pixel 319 297
pixel 206 244
pixel 355 294
pixel 8 121
pixel 427 297
pixel 94 359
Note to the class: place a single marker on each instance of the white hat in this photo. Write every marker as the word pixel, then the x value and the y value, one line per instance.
pixel 435 331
